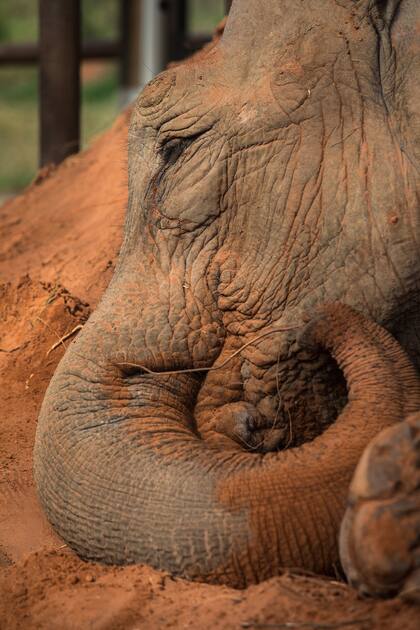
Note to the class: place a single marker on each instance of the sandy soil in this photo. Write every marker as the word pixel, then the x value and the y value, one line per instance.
pixel 59 242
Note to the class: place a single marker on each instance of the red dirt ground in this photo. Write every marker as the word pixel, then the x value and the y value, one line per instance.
pixel 57 253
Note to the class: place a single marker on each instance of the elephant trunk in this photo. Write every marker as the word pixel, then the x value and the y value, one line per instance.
pixel 124 478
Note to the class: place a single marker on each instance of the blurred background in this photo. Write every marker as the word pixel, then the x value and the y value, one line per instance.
pixel 111 75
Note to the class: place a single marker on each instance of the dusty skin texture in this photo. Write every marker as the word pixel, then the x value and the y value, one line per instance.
pixel 275 176
pixel 58 246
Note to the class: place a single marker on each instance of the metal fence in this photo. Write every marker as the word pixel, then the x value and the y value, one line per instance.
pixel 154 29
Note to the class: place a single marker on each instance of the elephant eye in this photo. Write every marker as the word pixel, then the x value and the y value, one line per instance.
pixel 169 152
pixel 173 148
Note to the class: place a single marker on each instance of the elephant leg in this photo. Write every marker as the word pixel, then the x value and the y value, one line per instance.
pixel 380 534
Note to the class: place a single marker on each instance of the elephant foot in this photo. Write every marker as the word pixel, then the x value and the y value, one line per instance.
pixel 380 533
pixel 239 426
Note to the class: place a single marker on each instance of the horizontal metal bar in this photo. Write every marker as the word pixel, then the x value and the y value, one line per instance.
pixel 11 54
pixel 21 54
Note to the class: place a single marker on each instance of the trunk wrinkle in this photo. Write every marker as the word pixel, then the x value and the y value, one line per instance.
pixel 149 490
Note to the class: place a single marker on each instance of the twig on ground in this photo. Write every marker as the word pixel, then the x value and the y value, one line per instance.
pixel 48 327
pixel 61 340
pixel 15 349
pixel 337 583
pixel 64 338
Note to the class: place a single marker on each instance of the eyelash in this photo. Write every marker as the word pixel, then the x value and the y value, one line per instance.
pixel 172 149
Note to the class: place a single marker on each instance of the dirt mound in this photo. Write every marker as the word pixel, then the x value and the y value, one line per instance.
pixel 58 249
pixel 55 589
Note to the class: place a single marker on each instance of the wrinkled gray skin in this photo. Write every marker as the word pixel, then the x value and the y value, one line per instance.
pixel 273 174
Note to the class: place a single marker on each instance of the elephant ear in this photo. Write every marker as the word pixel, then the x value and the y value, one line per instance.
pixel 400 71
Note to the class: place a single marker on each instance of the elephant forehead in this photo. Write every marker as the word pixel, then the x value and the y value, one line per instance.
pixel 155 91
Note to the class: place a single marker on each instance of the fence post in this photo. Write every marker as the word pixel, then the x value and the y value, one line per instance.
pixel 177 25
pixel 130 12
pixel 59 74
pixel 162 39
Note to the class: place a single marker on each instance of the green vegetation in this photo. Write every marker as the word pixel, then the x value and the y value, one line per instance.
pixel 18 127
pixel 19 84
pixel 19 119
pixel 203 15
pixel 99 103
pixel 18 21
pixel 100 19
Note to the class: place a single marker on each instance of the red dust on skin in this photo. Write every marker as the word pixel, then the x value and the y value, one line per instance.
pixel 46 585
pixel 48 233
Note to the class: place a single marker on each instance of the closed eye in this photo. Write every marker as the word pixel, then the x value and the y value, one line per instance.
pixel 173 148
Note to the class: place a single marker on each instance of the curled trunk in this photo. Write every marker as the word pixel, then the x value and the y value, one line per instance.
pixel 124 477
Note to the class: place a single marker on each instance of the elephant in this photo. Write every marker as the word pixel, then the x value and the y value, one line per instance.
pixel 261 327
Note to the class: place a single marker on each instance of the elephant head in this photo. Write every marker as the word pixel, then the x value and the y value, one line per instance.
pixel 209 417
